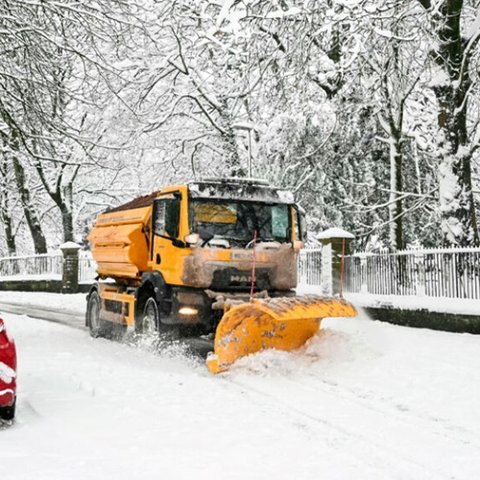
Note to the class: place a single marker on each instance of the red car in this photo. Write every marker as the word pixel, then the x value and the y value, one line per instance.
pixel 8 374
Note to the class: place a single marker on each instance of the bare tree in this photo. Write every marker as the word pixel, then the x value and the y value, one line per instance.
pixel 452 48
pixel 7 202
pixel 59 62
pixel 393 56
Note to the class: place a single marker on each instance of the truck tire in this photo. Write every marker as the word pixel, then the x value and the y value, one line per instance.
pixel 150 318
pixel 150 322
pixel 96 326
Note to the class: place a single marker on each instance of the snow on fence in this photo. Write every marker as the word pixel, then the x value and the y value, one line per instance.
pixel 453 273
pixel 44 266
pixel 48 266
pixel 309 266
pixel 86 267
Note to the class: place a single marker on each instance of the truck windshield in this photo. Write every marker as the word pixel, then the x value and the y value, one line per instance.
pixel 237 221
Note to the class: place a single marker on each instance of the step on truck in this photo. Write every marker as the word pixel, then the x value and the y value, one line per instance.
pixel 215 257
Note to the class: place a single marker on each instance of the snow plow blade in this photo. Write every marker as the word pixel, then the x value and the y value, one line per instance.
pixel 283 323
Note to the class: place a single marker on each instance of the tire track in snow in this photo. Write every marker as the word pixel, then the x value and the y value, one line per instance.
pixel 443 427
pixel 69 318
pixel 297 419
pixel 385 458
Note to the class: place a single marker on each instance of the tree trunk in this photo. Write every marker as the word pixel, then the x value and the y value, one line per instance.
pixel 233 159
pixel 5 212
pixel 62 197
pixel 9 236
pixel 39 242
pixel 67 223
pixel 12 140
pixel 229 138
pixel 396 203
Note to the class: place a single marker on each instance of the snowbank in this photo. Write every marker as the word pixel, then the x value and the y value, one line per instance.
pixel 432 304
pixel 406 302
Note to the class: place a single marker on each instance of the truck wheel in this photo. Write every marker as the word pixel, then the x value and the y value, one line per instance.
pixel 150 319
pixel 96 325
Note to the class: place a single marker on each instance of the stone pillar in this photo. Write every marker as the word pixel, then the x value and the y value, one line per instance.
pixel 70 267
pixel 333 240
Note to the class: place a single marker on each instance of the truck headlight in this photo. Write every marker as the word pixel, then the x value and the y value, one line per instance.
pixel 187 311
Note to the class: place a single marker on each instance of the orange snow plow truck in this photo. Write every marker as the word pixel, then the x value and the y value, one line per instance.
pixel 211 258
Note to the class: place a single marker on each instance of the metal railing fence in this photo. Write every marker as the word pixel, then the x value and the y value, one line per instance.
pixel 309 266
pixel 453 273
pixel 47 265
pixel 86 267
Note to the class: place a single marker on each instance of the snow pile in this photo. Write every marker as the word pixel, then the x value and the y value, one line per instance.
pixel 410 302
pixel 328 346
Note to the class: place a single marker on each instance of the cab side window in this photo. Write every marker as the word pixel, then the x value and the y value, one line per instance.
pixel 172 217
pixel 166 217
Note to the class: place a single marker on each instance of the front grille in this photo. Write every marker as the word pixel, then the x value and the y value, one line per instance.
pixel 240 279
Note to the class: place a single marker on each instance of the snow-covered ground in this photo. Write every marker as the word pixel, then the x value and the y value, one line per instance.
pixel 363 400
pixel 62 302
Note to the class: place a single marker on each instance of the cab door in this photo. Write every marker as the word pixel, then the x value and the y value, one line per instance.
pixel 166 245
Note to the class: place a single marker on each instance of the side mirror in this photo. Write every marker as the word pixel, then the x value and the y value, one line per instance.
pixel 192 238
pixel 298 245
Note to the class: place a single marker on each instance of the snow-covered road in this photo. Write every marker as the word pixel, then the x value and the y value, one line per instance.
pixel 364 400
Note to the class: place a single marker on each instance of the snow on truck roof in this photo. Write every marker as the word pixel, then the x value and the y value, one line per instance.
pixel 239 189
pixel 238 180
pixel 225 189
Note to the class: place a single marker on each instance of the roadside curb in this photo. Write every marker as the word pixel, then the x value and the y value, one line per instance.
pixel 422 318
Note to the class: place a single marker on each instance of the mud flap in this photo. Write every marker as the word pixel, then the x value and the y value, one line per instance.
pixel 284 323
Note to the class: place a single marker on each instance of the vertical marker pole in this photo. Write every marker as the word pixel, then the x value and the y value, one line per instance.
pixel 253 265
pixel 342 268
